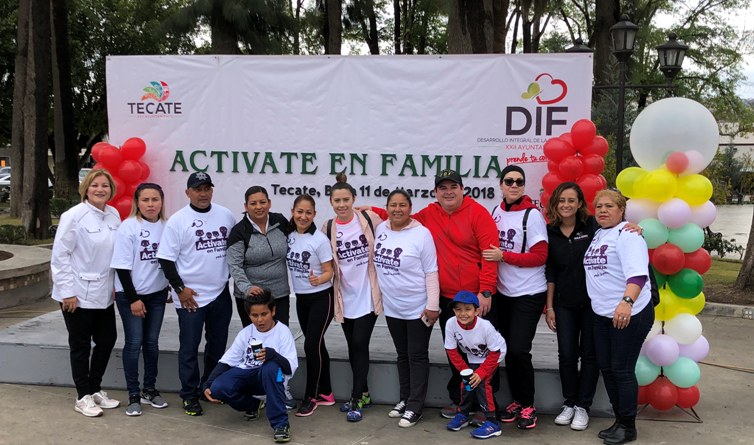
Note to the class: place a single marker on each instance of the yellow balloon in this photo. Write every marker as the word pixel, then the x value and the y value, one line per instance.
pixel 668 307
pixel 628 179
pixel 659 185
pixel 691 305
pixel 694 189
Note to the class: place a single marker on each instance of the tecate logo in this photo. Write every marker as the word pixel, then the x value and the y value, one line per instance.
pixel 154 104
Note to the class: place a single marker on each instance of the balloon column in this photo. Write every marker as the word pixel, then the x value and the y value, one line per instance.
pixel 126 167
pixel 672 140
pixel 577 156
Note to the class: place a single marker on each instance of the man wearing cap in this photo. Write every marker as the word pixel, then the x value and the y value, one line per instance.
pixel 192 255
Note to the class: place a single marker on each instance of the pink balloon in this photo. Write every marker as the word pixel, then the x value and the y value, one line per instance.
pixel 697 162
pixel 640 209
pixel 704 215
pixel 674 213
pixel 677 162
pixel 696 351
pixel 662 350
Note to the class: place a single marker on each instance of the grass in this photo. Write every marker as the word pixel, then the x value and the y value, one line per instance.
pixel 722 272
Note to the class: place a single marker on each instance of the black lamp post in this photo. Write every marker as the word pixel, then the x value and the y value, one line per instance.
pixel 670 57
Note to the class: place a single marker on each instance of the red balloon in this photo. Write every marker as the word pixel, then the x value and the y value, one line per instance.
pixel 130 171
pixel 544 200
pixel 567 137
pixel 550 181
pixel 698 260
pixel 603 182
pixel 582 133
pixel 145 171
pixel 677 162
pixel 123 206
pixel 110 157
pixel 132 189
pixel 99 166
pixel 553 166
pixel 643 395
pixel 599 147
pixel 668 259
pixel 571 168
pixel 651 253
pixel 120 188
pixel 97 149
pixel 590 185
pixel 133 148
pixel 663 395
pixel 593 164
pixel 557 149
pixel 688 397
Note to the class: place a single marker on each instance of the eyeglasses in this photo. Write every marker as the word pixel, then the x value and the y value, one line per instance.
pixel 510 181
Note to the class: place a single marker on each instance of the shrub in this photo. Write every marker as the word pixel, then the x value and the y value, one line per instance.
pixel 60 205
pixel 10 234
pixel 714 242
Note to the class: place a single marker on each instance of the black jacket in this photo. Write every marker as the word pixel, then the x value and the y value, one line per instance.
pixel 565 263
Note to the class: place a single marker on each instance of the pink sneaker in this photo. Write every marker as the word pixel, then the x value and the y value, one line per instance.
pixel 325 399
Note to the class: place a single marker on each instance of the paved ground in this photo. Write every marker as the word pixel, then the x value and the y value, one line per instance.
pixel 45 415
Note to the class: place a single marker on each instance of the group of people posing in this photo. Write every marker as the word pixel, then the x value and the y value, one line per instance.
pixel 486 276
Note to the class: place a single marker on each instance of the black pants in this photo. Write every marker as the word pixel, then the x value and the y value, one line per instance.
pixel 411 339
pixel 282 310
pixel 315 312
pixel 88 364
pixel 358 332
pixel 576 344
pixel 454 383
pixel 517 320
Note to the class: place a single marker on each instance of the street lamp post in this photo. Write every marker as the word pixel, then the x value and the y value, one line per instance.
pixel 670 57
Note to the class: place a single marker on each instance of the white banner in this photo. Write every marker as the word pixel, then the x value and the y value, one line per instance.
pixel 290 123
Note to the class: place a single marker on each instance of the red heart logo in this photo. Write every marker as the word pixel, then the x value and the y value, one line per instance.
pixel 553 81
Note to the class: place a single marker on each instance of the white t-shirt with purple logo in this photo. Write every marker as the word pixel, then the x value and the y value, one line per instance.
pixel 476 342
pixel 279 338
pixel 402 260
pixel 306 253
pixel 353 261
pixel 516 281
pixel 614 256
pixel 197 242
pixel 136 250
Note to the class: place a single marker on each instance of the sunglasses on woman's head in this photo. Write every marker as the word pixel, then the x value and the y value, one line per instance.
pixel 510 181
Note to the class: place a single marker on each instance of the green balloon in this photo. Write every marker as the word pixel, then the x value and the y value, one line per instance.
pixel 655 232
pixel 686 284
pixel 688 237
pixel 661 278
pixel 646 371
pixel 684 373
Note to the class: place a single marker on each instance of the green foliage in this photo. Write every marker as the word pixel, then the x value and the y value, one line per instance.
pixel 715 242
pixel 60 205
pixel 8 29
pixel 12 234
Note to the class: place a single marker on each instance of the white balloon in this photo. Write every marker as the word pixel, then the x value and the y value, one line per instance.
pixel 674 213
pixel 656 329
pixel 697 162
pixel 673 124
pixel 640 209
pixel 684 328
pixel 703 215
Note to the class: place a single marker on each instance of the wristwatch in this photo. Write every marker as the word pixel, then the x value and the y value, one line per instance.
pixel 628 300
pixel 486 294
pixel 179 289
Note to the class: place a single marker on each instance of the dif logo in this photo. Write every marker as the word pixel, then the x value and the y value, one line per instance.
pixel 546 91
pixel 154 102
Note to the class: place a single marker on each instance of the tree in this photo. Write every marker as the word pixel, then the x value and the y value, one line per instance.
pixel 477 26
pixel 333 31
pixel 361 15
pixel 745 279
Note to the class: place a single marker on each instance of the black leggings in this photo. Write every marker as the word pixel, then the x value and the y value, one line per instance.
pixel 282 310
pixel 315 312
pixel 358 332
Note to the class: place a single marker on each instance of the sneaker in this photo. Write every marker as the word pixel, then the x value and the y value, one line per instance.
pixel 449 411
pixel 486 430
pixel 511 412
pixel 580 419
pixel 153 397
pixel 478 419
pixel 87 407
pixel 354 412
pixel 566 416
pixel 527 419
pixel 282 434
pixel 290 403
pixel 251 415
pixel 307 408
pixel 103 401
pixel 365 401
pixel 192 407
pixel 460 420
pixel 325 399
pixel 397 410
pixel 134 405
pixel 409 419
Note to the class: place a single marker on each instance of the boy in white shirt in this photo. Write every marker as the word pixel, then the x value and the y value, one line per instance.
pixel 243 374
pixel 485 349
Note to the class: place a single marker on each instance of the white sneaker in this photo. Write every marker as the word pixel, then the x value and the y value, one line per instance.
pixel 566 416
pixel 397 410
pixel 580 419
pixel 87 407
pixel 103 401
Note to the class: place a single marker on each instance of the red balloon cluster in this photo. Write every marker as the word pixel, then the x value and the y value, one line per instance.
pixel 126 167
pixel 663 395
pixel 578 156
pixel 669 259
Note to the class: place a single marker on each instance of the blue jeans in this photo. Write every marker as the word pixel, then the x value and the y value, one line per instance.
pixel 141 334
pixel 237 387
pixel 575 331
pixel 214 318
pixel 617 352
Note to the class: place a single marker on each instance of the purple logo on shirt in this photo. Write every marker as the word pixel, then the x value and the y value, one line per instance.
pixel 595 255
pixel 148 250
pixel 210 240
pixel 299 262
pixel 387 258
pixel 354 249
pixel 506 239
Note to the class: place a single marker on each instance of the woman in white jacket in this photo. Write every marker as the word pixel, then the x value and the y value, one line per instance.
pixel 82 282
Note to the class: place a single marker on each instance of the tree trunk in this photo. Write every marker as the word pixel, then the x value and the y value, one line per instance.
pixel 606 15
pixel 35 214
pixel 397 28
pixel 19 92
pixel 334 20
pixel 66 151
pixel 224 38
pixel 374 38
pixel 745 278
pixel 472 26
